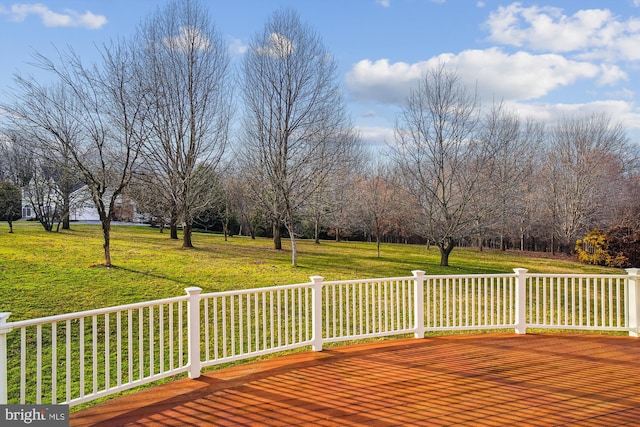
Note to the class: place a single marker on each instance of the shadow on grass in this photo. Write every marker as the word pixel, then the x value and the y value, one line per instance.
pixel 155 275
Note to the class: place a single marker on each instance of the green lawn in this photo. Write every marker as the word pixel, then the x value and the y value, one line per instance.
pixel 45 274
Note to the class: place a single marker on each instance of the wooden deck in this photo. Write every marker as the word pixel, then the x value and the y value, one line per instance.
pixel 472 380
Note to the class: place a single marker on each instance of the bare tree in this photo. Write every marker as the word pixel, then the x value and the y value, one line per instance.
pixel 10 203
pixel 509 171
pixel 296 128
pixel 93 114
pixel 341 192
pixel 377 202
pixel 440 156
pixel 585 161
pixel 332 205
pixel 186 67
pixel 47 176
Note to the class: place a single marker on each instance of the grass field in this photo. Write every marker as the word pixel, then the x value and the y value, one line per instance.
pixel 44 274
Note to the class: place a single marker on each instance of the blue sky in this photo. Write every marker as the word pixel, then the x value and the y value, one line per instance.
pixel 544 59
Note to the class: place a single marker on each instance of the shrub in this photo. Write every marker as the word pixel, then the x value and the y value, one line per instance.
pixel 593 249
pixel 619 247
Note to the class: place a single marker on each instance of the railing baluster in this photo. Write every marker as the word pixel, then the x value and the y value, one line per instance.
pixel 271 318
pixel 54 362
pixel 348 310
pixel 107 352
pixel 248 319
pixel 171 337
pixel 82 356
pixel 94 352
pixel 206 329
pixel 588 286
pixel 140 343
pixel 367 305
pixel 604 303
pixel 232 326
pixel 216 334
pixel 130 344
pixel 181 330
pixel 68 361
pixel 257 318
pixel 119 349
pixel 240 325
pixel 151 342
pixel 279 316
pixel 224 326
pixel 264 320
pixel 286 317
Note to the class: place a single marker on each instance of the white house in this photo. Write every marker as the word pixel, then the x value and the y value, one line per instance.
pixel 83 208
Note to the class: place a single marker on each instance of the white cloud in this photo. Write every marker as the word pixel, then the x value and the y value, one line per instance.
pixel 381 81
pixel 519 76
pixel 279 46
pixel 236 46
pixel 621 111
pixel 611 75
pixel 593 33
pixel 387 3
pixel 70 18
pixel 376 136
pixel 187 38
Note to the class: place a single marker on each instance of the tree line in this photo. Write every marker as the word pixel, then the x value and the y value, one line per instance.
pixel 153 121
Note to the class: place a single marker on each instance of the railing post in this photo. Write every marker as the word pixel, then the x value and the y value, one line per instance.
pixel 4 330
pixel 634 301
pixel 193 328
pixel 316 312
pixel 418 300
pixel 521 300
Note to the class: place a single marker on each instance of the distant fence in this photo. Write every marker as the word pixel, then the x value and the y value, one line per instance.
pixel 79 357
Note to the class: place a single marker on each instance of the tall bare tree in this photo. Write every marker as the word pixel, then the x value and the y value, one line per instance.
pixel 93 114
pixel 585 163
pixel 440 156
pixel 514 142
pixel 377 202
pixel 296 128
pixel 186 68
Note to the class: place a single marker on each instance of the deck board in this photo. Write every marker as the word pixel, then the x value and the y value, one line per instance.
pixel 473 380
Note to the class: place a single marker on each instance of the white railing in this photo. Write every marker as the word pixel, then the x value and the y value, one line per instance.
pixel 79 357
pixel 457 303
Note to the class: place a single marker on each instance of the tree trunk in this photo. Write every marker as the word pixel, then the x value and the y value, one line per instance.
pixel 445 250
pixel 65 212
pixel 378 243
pixel 187 243
pixel 10 226
pixel 277 238
pixel 173 225
pixel 316 231
pixel 106 233
pixel 225 223
pixel 294 251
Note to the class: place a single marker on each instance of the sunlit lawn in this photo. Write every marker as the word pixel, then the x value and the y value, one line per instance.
pixel 45 273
